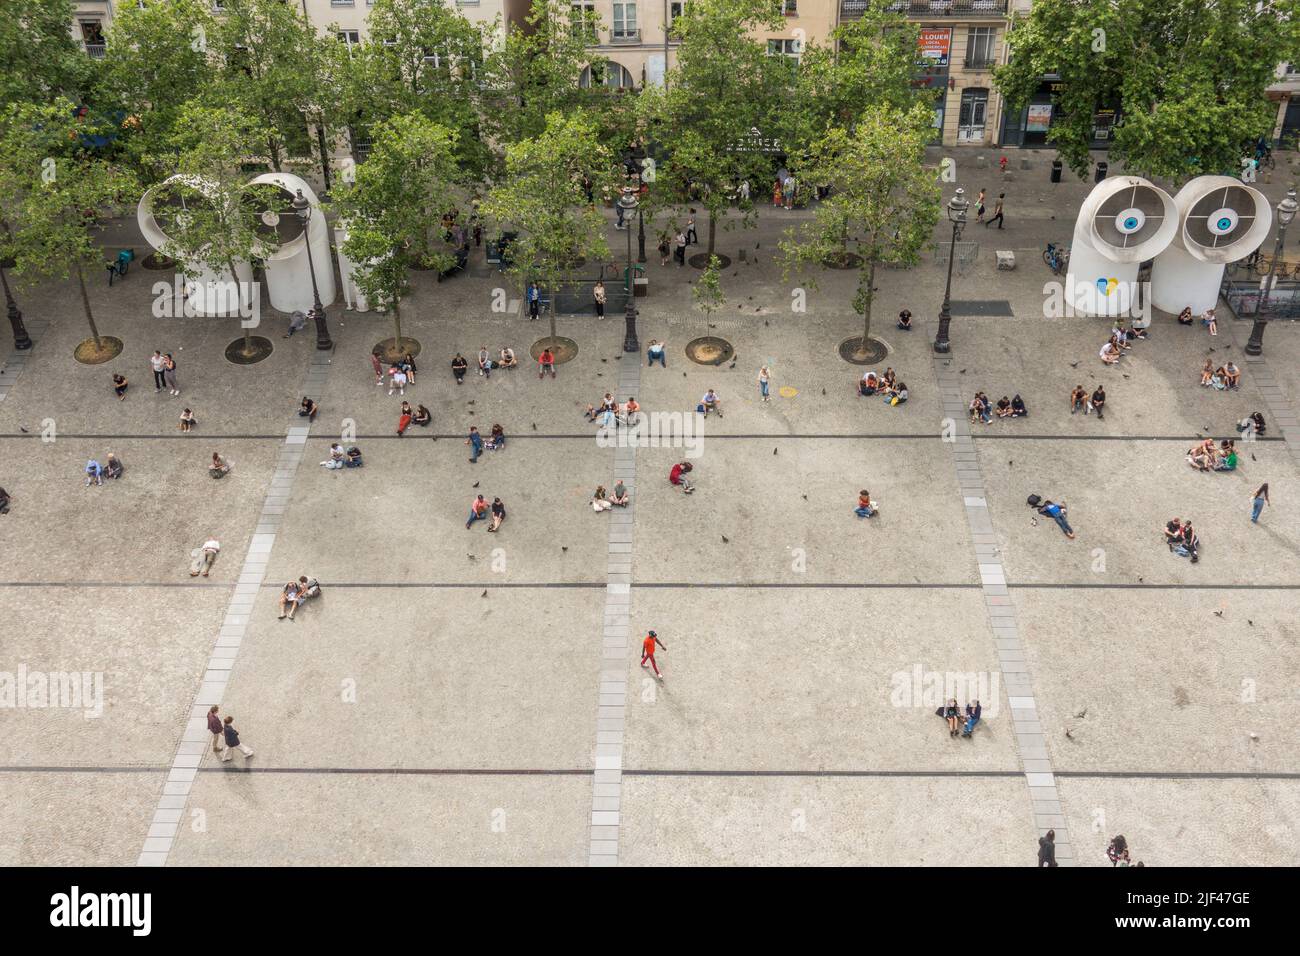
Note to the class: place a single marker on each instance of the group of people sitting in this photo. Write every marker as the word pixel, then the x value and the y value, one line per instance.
pixel 1182 539
pixel 421 416
pixel 982 409
pixel 505 359
pixel 96 473
pixel 1119 342
pixel 959 723
pixel 1207 319
pixel 1096 403
pixel 1225 376
pixel 1205 457
pixel 611 412
pixel 887 385
pixel 600 501
pixel 295 593
pixel 339 458
pixel 479 510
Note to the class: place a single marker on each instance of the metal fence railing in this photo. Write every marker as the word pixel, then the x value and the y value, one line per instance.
pixel 1243 298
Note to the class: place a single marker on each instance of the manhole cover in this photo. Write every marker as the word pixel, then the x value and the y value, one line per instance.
pixel 851 351
pixel 250 353
pixel 563 349
pixel 157 261
pixel 709 350
pixel 701 260
pixel 389 351
pixel 843 260
pixel 87 354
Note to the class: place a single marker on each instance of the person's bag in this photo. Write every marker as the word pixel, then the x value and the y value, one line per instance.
pixel 1034 501
pixel 699 407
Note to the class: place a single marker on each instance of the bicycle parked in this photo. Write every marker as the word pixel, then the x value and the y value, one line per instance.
pixel 1056 257
pixel 119 266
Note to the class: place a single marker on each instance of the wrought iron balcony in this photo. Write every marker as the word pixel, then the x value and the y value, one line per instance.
pixel 928 9
pixel 95 51
pixel 625 36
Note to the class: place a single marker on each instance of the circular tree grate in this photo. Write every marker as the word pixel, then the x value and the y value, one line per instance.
pixel 157 262
pixel 389 351
pixel 851 352
pixel 709 350
pixel 258 349
pixel 701 260
pixel 563 349
pixel 109 348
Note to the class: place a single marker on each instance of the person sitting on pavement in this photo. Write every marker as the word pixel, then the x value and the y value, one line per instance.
pixel 629 412
pixel 1227 457
pixel 458 367
pixel 1252 424
pixel 484 362
pixel 887 380
pixel 677 476
pixel 1173 531
pixel 973 714
pixel 478 510
pixel 496 439
pixel 354 458
pixel 905 320
pixel 1219 380
pixel 865 508
pixel 1018 409
pixel 336 458
pixel 307 588
pixel 1201 457
pixel 952 714
pixel 1185 316
pixel 404 419
pixel 600 501
pixel 711 403
pixel 507 358
pixel 869 385
pixel 1231 375
pixel 1207 372
pixel 1078 399
pixel 897 394
pixel 203 557
pixel 423 417
pixel 308 409
pixel 1109 353
pixel 1097 403
pixel 188 421
pixel 219 467
pixel 1188 544
pixel 94 473
pixel 620 496
pixel 1004 407
pixel 288 600
pixel 498 514
pixel 113 466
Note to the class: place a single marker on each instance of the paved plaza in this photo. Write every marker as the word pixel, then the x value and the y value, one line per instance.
pixel 456 697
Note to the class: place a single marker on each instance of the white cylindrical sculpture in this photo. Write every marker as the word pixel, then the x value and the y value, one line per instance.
pixel 353 296
pixel 287 270
pixel 207 291
pixel 1123 222
pixel 1221 220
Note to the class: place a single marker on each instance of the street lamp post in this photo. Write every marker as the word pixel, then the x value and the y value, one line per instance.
pixel 957 207
pixel 21 339
pixel 1286 211
pixel 630 344
pixel 303 210
pixel 638 157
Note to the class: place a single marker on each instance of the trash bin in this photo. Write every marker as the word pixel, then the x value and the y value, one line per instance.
pixel 1056 170
pixel 1101 172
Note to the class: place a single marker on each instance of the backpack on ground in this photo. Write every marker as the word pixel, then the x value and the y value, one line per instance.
pixel 1034 501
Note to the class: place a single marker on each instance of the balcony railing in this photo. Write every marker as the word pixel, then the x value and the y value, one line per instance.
pixel 932 8
pixel 625 36
pixel 95 51
pixel 979 62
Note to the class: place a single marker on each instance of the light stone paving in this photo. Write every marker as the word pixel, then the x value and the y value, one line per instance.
pixel 196 741
pixel 17 358
pixel 1030 740
pixel 1281 415
pixel 611 712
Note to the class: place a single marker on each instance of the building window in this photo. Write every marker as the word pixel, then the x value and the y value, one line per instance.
pixel 980 45
pixel 625 21
pixel 342 3
pixel 790 7
pixel 609 74
pixel 218 5
pixel 786 48
pixel 351 37
pixel 92 37
pixel 582 16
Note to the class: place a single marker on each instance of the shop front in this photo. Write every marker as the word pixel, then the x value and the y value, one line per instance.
pixel 1029 126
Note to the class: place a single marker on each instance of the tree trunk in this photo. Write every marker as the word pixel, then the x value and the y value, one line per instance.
pixel 397 325
pixel 274 149
pixel 866 304
pixel 551 315
pixel 239 308
pixel 85 303
pixel 713 229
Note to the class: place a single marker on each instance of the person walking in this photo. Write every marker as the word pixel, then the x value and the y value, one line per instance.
pixel 215 728
pixel 763 381
pixel 169 374
pixel 997 212
pixel 979 206
pixel 475 441
pixel 680 251
pixel 534 300
pixel 648 652
pixel 665 249
pixel 232 742
pixel 1046 849
pixel 692 239
pixel 158 364
pixel 1258 500
pixel 378 366
pixel 598 293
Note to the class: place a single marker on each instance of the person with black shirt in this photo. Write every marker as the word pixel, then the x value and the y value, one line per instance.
pixel 458 368
pixel 1047 849
pixel 498 514
pixel 1097 403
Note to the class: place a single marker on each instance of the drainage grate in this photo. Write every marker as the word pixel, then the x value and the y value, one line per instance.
pixel 997 307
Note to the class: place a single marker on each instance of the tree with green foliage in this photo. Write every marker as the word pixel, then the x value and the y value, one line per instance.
pixel 723 86
pixel 883 203
pixel 52 194
pixel 707 290
pixel 419 56
pixel 1188 77
pixel 209 211
pixel 544 195
pixel 869 59
pixel 155 61
pixel 39 57
pixel 270 59
pixel 397 199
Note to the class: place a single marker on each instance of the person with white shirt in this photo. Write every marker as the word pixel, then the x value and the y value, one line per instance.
pixel 203 557
pixel 397 380
pixel 336 457
pixel 159 365
pixel 711 403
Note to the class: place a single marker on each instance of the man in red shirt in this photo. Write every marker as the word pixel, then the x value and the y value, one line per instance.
pixel 648 651
pixel 678 476
pixel 546 363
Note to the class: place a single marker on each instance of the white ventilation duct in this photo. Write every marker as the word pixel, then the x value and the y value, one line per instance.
pixel 287 271
pixel 1221 220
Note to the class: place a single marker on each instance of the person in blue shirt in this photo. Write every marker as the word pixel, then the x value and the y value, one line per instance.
pixel 94 473
pixel 1057 513
pixel 475 441
pixel 534 300
pixel 973 712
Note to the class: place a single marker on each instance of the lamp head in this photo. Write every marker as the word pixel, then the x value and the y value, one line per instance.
pixel 301 206
pixel 958 205
pixel 628 199
pixel 1286 209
